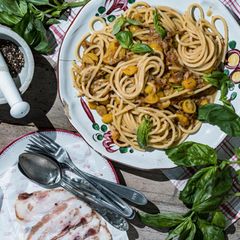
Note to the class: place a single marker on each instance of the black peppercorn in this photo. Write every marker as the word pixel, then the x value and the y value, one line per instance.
pixel 13 57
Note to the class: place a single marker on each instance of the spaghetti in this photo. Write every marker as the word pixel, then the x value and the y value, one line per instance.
pixel 164 84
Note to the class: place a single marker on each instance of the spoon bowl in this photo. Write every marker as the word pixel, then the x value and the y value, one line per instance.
pixel 44 171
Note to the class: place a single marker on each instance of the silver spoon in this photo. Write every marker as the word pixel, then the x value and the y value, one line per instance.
pixel 48 174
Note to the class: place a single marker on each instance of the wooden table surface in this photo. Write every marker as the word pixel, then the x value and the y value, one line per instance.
pixel 47 112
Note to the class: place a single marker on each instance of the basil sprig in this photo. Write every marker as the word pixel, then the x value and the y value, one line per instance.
pixel 125 38
pixel 31 19
pixel 143 132
pixel 222 82
pixel 158 28
pixel 223 117
pixel 203 194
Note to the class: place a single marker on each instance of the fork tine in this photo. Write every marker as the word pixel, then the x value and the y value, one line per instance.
pixel 38 142
pixel 35 148
pixel 44 142
pixel 49 140
pixel 34 151
pixel 41 146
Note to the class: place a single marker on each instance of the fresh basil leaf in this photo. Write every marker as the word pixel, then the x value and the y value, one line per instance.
pixel 222 82
pixel 78 3
pixel 44 44
pixel 158 28
pixel 23 7
pixel 118 25
pixel 16 8
pixel 210 232
pixel 52 21
pixel 223 117
pixel 38 2
pixel 34 33
pixel 56 13
pixel 238 175
pixel 213 188
pixel 25 28
pixel 187 195
pixel 182 230
pixel 9 20
pixel 133 22
pixel 140 48
pixel 237 152
pixel 237 194
pixel 214 78
pixel 219 219
pixel 190 154
pixel 143 131
pixel 162 220
pixel 192 232
pixel 125 38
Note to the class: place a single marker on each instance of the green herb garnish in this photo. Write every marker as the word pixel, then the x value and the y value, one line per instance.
pixel 222 82
pixel 125 38
pixel 118 25
pixel 121 21
pixel 140 48
pixel 143 132
pixel 158 28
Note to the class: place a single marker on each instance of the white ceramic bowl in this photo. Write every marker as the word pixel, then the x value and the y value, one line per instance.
pixel 26 75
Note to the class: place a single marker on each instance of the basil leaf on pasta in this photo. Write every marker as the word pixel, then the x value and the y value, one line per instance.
pixel 221 81
pixel 125 38
pixel 118 25
pixel 140 48
pixel 159 29
pixel 133 22
pixel 143 132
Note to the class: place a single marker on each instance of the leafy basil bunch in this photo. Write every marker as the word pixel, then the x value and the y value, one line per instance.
pixel 31 19
pixel 204 192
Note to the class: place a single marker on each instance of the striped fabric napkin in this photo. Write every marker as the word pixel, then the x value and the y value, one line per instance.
pixel 178 176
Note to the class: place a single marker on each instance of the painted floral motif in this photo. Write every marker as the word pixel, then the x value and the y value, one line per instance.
pixel 102 133
pixel 113 8
pixel 232 65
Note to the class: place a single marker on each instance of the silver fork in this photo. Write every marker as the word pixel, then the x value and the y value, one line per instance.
pixel 41 143
pixel 127 193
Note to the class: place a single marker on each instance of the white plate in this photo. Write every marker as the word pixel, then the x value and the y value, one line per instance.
pixel 83 122
pixel 13 182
